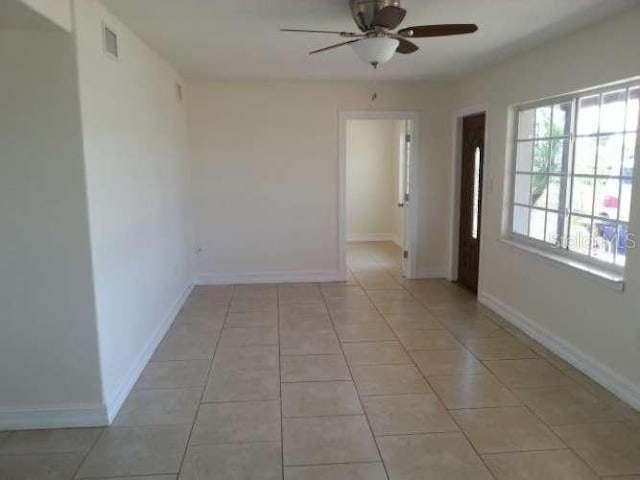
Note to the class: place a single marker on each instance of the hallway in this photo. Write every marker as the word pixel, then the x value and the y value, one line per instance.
pixel 370 379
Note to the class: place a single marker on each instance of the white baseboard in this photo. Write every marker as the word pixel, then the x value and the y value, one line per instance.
pixel 117 397
pixel 63 416
pixel 268 277
pixel 91 415
pixel 597 371
pixel 371 237
pixel 432 272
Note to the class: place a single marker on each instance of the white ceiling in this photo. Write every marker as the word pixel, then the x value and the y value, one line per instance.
pixel 239 39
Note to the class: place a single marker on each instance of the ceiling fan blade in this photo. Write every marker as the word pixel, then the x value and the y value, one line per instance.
pixel 406 46
pixel 443 30
pixel 331 47
pixel 342 34
pixel 389 17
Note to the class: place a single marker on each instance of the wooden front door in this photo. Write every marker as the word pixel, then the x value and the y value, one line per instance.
pixel 471 200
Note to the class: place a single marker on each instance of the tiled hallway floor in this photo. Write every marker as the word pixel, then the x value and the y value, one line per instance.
pixel 370 379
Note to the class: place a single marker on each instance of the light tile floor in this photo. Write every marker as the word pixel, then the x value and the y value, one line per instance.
pixel 375 378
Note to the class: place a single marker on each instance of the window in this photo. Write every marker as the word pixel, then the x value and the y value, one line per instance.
pixel 573 174
pixel 476 193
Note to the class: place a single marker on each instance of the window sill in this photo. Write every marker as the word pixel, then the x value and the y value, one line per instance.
pixel 613 280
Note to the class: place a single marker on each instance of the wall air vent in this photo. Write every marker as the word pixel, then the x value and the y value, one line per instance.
pixel 110 41
pixel 179 92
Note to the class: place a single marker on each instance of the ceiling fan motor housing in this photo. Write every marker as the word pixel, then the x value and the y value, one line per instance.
pixel 364 11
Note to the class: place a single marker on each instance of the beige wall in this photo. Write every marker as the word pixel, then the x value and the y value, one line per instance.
pixel 57 11
pixel 48 338
pixel 265 174
pixel 134 132
pixel 598 324
pixel 373 155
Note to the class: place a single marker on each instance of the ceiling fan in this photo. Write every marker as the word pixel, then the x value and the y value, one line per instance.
pixel 377 42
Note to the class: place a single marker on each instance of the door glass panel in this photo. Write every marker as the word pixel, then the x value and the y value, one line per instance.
pixel 476 192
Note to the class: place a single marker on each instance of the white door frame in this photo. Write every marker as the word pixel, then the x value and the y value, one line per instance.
pixel 411 228
pixel 456 171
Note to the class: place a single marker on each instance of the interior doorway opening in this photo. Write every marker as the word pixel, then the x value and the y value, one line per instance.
pixel 378 168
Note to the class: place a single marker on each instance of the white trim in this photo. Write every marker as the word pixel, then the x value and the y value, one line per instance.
pixel 95 414
pixel 458 115
pixel 117 397
pixel 617 384
pixel 433 272
pixel 269 277
pixel 61 416
pixel 412 239
pixel 371 237
pixel 611 279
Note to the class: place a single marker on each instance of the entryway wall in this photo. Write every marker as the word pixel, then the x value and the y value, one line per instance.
pixel 374 149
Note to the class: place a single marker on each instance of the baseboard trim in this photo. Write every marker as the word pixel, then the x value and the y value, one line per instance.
pixel 94 414
pixel 597 371
pixel 63 416
pixel 268 277
pixel 371 237
pixel 432 272
pixel 119 395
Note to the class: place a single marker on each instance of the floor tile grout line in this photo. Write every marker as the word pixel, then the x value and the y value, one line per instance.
pixel 440 400
pixel 280 385
pixel 366 416
pixel 89 450
pixel 549 427
pixel 200 403
pixel 297 465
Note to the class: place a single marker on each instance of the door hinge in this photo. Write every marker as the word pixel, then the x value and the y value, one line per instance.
pixel 406 197
pixel 405 254
pixel 407 138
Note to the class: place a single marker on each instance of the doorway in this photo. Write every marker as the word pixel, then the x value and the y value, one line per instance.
pixel 470 214
pixel 377 150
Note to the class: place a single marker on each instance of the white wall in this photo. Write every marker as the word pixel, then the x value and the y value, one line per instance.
pixel 598 325
pixel 57 11
pixel 134 131
pixel 373 152
pixel 48 339
pixel 265 174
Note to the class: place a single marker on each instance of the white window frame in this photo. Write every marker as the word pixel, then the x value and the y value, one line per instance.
pixel 564 255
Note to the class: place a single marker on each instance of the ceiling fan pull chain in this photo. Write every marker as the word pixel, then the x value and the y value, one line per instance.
pixel 374 95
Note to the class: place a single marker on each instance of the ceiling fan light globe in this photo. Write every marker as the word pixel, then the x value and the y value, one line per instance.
pixel 375 50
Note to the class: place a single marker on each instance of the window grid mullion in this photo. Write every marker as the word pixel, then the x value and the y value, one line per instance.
pixel 571 165
pixel 595 171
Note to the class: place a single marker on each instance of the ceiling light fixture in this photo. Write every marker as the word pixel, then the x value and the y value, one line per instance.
pixel 375 50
